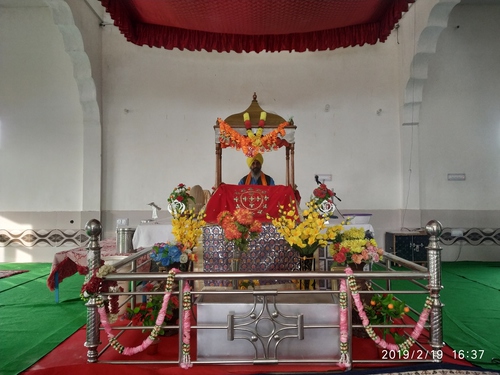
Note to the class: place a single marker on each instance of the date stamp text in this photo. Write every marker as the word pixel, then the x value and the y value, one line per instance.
pixel 419 354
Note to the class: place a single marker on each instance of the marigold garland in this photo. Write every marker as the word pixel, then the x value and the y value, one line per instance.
pixel 252 143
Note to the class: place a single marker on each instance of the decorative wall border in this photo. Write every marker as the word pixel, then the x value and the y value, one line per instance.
pixel 43 237
pixel 473 236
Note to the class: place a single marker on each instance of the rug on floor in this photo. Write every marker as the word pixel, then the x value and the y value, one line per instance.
pixel 8 273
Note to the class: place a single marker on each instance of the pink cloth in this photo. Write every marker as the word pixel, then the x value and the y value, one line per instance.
pixel 67 263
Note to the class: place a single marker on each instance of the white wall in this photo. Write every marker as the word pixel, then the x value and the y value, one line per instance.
pixel 40 116
pixel 159 107
pixel 44 162
pixel 460 118
pixel 459 131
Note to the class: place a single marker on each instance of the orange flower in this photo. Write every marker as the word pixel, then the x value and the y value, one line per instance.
pixel 231 230
pixel 223 217
pixel 256 227
pixel 357 258
pixel 243 216
pixel 239 227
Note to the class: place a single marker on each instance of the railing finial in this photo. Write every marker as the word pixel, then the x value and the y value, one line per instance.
pixel 434 228
pixel 93 228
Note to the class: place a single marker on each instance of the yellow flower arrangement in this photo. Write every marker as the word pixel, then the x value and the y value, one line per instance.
pixel 306 235
pixel 187 229
pixel 353 246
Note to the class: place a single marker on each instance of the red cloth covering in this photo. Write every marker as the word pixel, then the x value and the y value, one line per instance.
pixel 255 25
pixel 261 200
pixel 67 263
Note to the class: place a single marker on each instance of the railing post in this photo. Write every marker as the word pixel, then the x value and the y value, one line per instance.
pixel 434 230
pixel 93 229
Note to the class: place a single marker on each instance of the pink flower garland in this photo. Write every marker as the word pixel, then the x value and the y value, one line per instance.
pixel 186 359
pixel 186 337
pixel 186 327
pixel 344 356
pixel 417 331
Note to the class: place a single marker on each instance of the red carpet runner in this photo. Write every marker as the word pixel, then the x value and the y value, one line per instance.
pixel 70 358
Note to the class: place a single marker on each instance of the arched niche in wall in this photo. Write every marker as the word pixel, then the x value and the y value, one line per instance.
pixel 73 44
pixel 425 48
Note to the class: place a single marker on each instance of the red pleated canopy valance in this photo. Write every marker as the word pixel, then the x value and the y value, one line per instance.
pixel 255 25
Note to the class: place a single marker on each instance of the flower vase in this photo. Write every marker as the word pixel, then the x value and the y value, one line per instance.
pixel 186 266
pixel 175 311
pixel 167 332
pixel 186 260
pixel 336 282
pixel 306 264
pixel 355 267
pixel 362 284
pixel 235 264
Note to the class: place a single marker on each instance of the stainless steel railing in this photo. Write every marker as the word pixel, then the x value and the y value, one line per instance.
pixel 426 281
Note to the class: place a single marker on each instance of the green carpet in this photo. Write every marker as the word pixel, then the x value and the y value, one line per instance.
pixel 471 298
pixel 472 309
pixel 31 323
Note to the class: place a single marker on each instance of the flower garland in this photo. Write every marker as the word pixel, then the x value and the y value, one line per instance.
pixel 95 285
pixel 186 325
pixel 145 314
pixel 253 143
pixel 186 303
pixel 344 347
pixel 417 331
pixel 255 137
